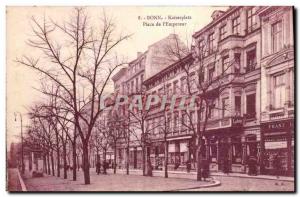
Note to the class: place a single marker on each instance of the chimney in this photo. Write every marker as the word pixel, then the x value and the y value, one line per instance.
pixel 139 54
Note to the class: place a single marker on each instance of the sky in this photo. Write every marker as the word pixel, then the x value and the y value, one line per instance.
pixel 21 82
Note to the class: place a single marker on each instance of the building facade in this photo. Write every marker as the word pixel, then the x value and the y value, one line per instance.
pixel 256 45
pixel 252 48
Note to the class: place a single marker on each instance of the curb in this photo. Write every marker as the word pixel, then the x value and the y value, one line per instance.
pixel 232 175
pixel 214 183
pixel 254 177
pixel 23 186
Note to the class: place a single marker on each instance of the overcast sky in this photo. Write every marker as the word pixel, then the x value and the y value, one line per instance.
pixel 21 80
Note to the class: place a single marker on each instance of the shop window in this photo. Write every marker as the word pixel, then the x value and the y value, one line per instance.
pixel 250 106
pixel 276 34
pixel 251 60
pixel 251 145
pixel 236 150
pixel 279 91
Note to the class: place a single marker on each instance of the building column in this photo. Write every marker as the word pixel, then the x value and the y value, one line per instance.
pixel 269 92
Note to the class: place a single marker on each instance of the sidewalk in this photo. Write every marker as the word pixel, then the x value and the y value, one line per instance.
pixel 192 174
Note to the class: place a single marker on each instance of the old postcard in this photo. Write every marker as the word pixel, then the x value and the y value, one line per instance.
pixel 136 98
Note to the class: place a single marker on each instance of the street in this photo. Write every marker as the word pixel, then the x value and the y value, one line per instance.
pixel 136 182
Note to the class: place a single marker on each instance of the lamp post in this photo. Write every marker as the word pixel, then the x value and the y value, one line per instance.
pixel 22 153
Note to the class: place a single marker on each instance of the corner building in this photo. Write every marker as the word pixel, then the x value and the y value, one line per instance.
pixel 258 41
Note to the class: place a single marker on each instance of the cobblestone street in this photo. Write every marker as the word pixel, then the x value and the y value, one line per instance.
pixel 136 182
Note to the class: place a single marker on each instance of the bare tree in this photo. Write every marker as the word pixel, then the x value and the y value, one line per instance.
pixel 207 87
pixel 83 55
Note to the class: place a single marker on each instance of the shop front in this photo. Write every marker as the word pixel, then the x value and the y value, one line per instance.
pixel 278 142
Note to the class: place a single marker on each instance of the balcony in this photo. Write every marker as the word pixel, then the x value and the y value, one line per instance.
pixel 277 114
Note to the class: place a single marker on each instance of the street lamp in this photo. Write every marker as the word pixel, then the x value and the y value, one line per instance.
pixel 22 153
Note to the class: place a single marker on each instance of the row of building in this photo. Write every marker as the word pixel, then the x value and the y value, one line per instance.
pixel 253 48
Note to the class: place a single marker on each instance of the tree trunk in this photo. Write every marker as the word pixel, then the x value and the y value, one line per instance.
pixel 44 163
pixel 199 163
pixel 58 156
pixel 166 158
pixel 48 164
pixel 115 158
pixel 65 160
pixel 143 161
pixel 86 167
pixel 127 161
pixel 52 163
pixel 74 160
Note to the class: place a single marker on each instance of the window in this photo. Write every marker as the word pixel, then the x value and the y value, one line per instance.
pixel 225 107
pixel 238 105
pixel 193 82
pixel 225 64
pixel 184 118
pixel 142 80
pixel 169 90
pixel 222 32
pixel 236 150
pixel 132 86
pixel 137 84
pixel 183 85
pixel 251 23
pixel 279 95
pixel 211 110
pixel 237 62
pixel 251 60
pixel 236 22
pixel 201 48
pixel 175 87
pixel 176 121
pixel 201 75
pixel 210 43
pixel 161 91
pixel 250 106
pixel 276 36
pixel 211 72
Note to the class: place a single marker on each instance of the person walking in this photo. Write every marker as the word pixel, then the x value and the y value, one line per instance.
pixel 98 166
pixel 104 167
pixel 188 166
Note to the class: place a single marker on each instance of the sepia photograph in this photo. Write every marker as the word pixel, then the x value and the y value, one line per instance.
pixel 150 99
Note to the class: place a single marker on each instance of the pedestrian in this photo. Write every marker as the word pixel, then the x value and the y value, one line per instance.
pixel 104 167
pixel 98 165
pixel 226 165
pixel 188 166
pixel 205 169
